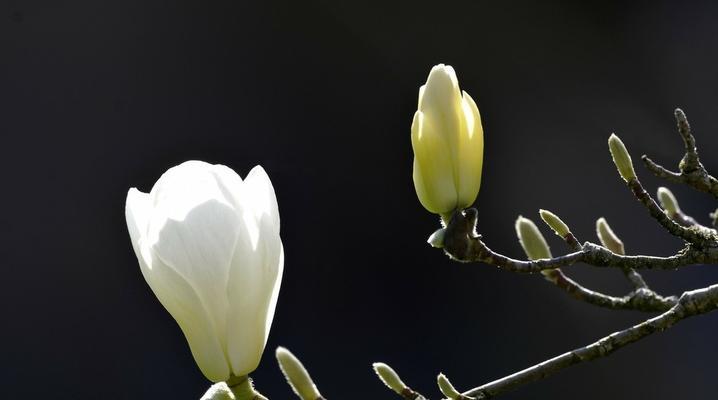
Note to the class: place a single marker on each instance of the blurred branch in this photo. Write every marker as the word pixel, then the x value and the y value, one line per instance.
pixel 692 172
pixel 691 303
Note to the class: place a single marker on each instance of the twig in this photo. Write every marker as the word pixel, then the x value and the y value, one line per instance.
pixel 641 299
pixel 692 172
pixel 463 244
pixel 690 234
pixel 691 303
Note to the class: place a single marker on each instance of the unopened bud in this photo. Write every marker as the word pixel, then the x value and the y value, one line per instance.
pixel 531 239
pixel 297 376
pixel 555 223
pixel 389 377
pixel 668 201
pixel 621 158
pixel 608 238
pixel 447 388
pixel 218 391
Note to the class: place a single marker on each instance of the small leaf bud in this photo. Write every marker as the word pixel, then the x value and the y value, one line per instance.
pixel 555 223
pixel 621 158
pixel 608 238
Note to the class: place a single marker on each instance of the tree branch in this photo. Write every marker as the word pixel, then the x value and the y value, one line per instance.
pixel 691 303
pixel 641 299
pixel 463 244
pixel 692 172
pixel 693 234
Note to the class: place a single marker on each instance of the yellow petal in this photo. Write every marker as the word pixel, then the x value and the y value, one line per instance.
pixel 433 169
pixel 470 154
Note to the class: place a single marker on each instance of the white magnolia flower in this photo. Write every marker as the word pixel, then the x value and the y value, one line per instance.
pixel 448 143
pixel 208 245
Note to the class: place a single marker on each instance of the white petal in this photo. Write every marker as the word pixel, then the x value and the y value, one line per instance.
pixel 200 248
pixel 253 290
pixel 231 185
pixel 138 208
pixel 185 186
pixel 182 302
pixel 261 199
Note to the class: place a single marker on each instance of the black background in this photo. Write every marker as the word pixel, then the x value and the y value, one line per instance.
pixel 97 97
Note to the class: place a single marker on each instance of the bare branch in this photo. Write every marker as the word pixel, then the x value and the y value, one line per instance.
pixel 641 299
pixel 691 303
pixel 463 244
pixel 692 172
pixel 693 235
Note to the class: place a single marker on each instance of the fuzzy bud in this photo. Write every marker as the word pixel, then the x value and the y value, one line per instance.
pixel 621 158
pixel 668 201
pixel 531 239
pixel 555 223
pixel 389 377
pixel 608 237
pixel 447 388
pixel 297 376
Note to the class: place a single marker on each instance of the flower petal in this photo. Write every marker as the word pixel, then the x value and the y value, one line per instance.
pixel 200 248
pixel 175 293
pixel 183 303
pixel 138 209
pixel 261 198
pixel 433 167
pixel 253 289
pixel 471 154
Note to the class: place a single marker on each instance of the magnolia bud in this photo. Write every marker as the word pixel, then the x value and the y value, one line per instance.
pixel 608 238
pixel 531 239
pixel 218 391
pixel 297 376
pixel 389 377
pixel 621 158
pixel 448 143
pixel 447 389
pixel 668 201
pixel 208 245
pixel 554 222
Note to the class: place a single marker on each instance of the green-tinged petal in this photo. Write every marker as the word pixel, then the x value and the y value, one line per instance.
pixel 471 154
pixel 433 169
pixel 441 106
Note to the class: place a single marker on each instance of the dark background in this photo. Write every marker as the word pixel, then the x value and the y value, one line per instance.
pixel 97 97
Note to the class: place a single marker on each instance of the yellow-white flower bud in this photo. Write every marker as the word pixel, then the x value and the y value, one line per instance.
pixel 531 239
pixel 555 223
pixel 448 143
pixel 219 391
pixel 208 245
pixel 608 238
pixel 297 376
pixel 621 158
pixel 668 201
pixel 389 377
pixel 446 388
